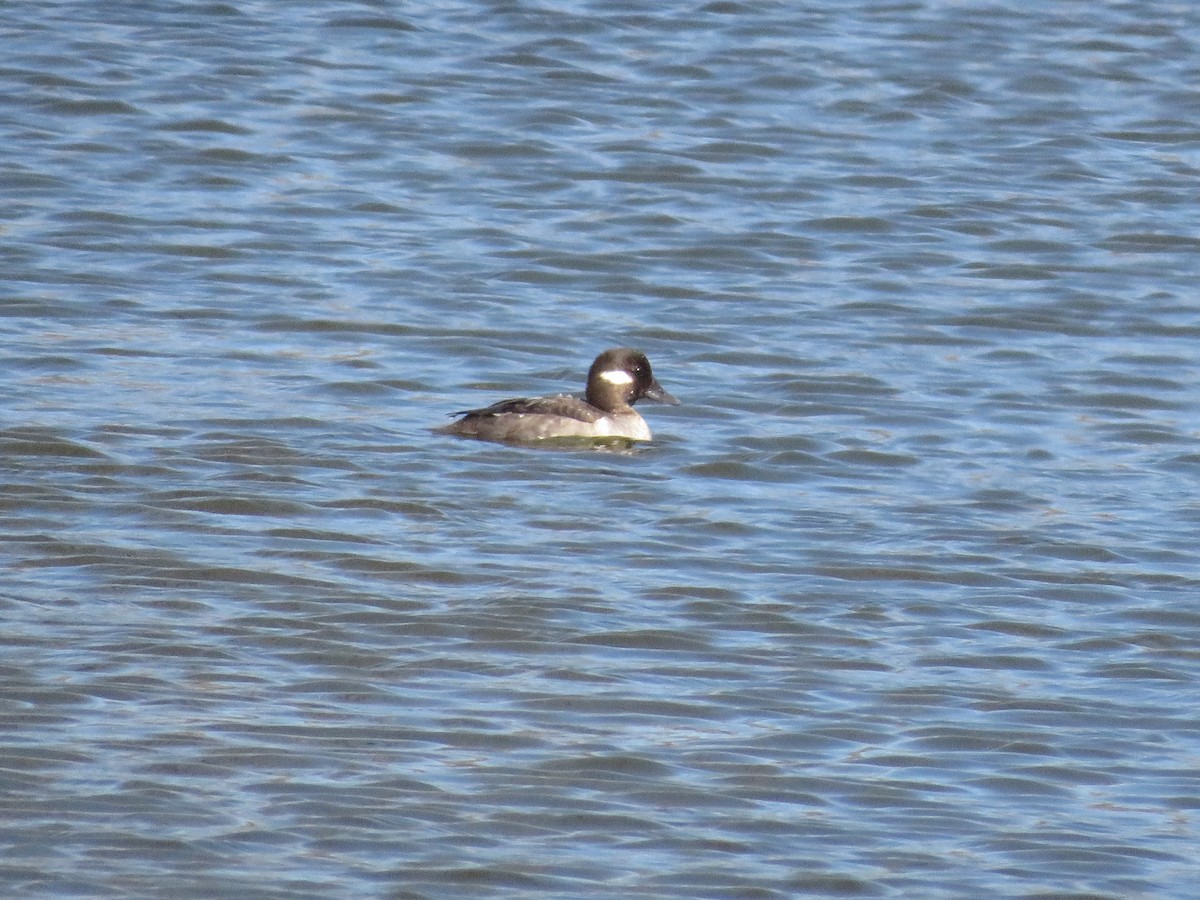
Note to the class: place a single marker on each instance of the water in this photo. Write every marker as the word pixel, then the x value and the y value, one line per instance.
pixel 902 602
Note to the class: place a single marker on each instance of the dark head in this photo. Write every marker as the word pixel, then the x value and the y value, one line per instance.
pixel 621 377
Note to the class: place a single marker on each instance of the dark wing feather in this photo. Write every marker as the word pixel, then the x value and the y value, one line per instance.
pixel 566 406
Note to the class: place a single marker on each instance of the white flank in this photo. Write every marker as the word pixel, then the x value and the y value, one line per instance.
pixel 617 376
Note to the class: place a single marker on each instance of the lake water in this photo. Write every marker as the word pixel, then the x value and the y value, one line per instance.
pixel 903 601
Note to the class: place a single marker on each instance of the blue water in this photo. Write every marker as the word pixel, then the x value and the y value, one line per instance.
pixel 901 601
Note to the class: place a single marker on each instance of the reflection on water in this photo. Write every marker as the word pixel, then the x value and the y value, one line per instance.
pixel 898 602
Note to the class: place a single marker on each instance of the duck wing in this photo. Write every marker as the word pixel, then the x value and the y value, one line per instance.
pixel 566 406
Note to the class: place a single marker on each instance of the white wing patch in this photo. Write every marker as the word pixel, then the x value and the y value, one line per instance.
pixel 617 376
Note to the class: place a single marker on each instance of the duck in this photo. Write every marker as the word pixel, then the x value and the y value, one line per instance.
pixel 618 378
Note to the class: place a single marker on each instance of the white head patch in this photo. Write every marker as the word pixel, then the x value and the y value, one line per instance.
pixel 616 376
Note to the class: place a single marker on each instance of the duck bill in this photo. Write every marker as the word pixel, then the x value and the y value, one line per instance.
pixel 656 392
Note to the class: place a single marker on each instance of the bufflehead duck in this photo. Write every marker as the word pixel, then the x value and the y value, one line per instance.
pixel 618 378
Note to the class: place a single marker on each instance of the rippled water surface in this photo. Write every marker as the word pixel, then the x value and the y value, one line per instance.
pixel 902 601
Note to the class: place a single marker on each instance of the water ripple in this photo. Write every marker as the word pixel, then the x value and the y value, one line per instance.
pixel 899 602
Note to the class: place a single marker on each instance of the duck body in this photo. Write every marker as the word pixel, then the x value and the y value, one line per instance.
pixel 617 379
